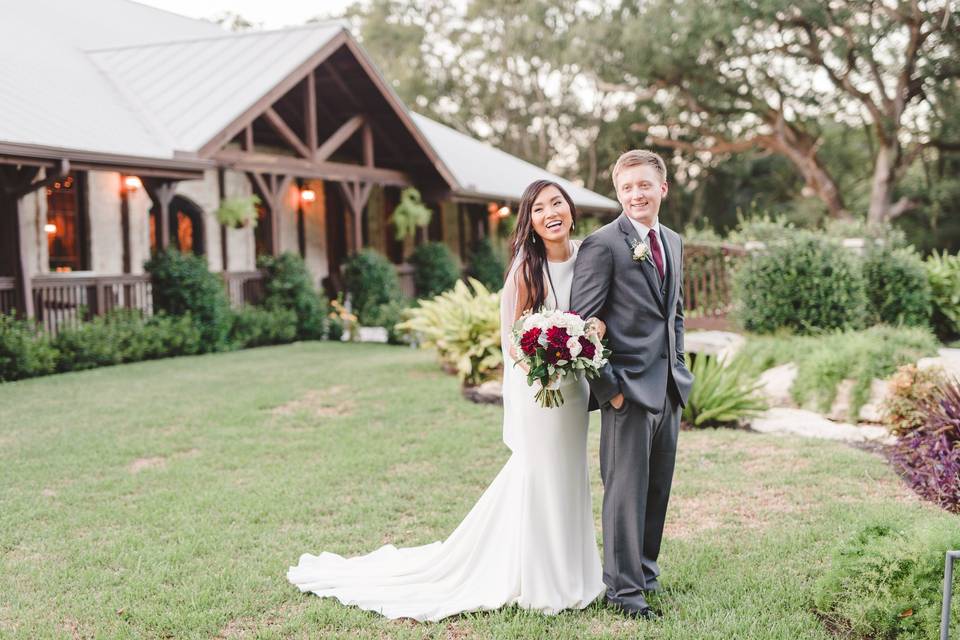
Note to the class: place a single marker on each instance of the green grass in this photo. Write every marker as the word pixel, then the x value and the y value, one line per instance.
pixel 166 499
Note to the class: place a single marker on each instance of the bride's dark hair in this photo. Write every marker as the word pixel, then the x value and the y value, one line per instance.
pixel 526 238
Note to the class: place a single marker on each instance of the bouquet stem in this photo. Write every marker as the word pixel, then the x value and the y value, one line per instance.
pixel 549 398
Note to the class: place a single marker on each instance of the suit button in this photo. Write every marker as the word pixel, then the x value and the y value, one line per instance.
pixel 663 355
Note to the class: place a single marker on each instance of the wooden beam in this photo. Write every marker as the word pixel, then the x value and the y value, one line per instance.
pixel 336 140
pixel 311 108
pixel 278 91
pixel 265 163
pixel 248 138
pixel 367 144
pixel 14 180
pixel 281 127
pixel 161 192
pixel 338 80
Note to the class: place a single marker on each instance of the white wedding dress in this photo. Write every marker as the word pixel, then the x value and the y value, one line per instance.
pixel 529 540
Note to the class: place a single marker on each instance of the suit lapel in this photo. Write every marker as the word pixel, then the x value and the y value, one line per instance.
pixel 671 250
pixel 646 266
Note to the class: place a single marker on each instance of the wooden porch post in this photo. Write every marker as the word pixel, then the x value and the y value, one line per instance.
pixel 161 192
pixel 356 194
pixel 273 189
pixel 16 182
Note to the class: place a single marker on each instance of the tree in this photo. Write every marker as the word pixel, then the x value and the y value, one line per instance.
pixel 735 76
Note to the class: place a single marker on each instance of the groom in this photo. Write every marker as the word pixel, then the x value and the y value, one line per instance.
pixel 629 274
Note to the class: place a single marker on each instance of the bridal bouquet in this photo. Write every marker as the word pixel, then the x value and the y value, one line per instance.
pixel 554 344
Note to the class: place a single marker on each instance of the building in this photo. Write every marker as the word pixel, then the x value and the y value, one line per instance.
pixel 123 128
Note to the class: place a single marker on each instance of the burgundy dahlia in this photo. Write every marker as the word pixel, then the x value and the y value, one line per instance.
pixel 529 340
pixel 587 348
pixel 557 337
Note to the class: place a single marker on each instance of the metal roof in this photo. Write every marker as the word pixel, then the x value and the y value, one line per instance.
pixel 188 91
pixel 484 171
pixel 118 77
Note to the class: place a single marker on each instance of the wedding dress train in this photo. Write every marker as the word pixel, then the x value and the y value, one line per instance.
pixel 529 540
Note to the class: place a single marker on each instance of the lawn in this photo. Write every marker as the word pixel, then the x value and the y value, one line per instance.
pixel 166 499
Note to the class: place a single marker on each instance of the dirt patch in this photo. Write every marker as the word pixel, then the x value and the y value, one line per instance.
pixel 754 508
pixel 321 403
pixel 250 627
pixel 71 627
pixel 142 464
pixel 49 493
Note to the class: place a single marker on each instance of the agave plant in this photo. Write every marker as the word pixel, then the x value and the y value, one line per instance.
pixel 721 394
pixel 463 325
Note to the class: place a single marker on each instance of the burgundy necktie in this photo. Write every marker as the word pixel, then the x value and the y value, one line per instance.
pixel 655 251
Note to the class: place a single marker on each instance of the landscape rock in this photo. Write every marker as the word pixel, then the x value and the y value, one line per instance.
pixel 722 344
pixel 809 424
pixel 775 385
pixel 489 392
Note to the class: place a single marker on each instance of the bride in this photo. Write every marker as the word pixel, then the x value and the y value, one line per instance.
pixel 530 538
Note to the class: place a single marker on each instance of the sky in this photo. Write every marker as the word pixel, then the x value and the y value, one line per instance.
pixel 271 15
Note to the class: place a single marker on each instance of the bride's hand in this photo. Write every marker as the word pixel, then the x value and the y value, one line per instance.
pixel 598 326
pixel 520 363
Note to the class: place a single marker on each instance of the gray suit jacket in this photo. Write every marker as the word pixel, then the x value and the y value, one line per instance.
pixel 644 320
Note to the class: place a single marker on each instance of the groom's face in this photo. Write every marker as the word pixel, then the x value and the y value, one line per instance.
pixel 640 190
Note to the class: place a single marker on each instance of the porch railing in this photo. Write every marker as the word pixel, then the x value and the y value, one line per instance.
pixel 66 299
pixel 707 284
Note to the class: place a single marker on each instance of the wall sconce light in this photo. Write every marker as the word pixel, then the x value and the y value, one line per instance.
pixel 132 183
pixel 308 195
pixel 50 228
pixel 503 212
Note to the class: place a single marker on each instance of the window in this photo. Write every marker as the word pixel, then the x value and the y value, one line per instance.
pixel 66 226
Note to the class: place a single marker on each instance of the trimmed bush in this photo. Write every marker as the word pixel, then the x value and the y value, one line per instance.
pixel 887 581
pixel 722 395
pixel 182 284
pixel 943 273
pixel 805 284
pixel 371 282
pixel 898 292
pixel 486 266
pixel 911 393
pixel 124 336
pixel 25 351
pixel 289 285
pixel 255 326
pixel 435 269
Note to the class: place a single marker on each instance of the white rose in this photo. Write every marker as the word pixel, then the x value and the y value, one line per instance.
pixel 573 346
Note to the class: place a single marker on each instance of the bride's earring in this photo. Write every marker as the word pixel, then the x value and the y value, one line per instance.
pixel 533 238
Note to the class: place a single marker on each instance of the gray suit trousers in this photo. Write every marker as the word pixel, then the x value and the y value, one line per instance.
pixel 638 449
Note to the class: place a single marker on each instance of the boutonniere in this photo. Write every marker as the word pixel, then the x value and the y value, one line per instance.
pixel 640 250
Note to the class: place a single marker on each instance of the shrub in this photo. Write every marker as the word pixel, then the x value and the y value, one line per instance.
pixel 929 457
pixel 371 282
pixel 289 285
pixel 486 266
pixel 805 284
pixel 943 273
pixel 826 361
pixel 722 394
pixel 254 327
pixel 897 289
pixel 435 269
pixel 463 325
pixel 886 581
pixel 165 336
pixel 181 284
pixel 25 351
pixel 911 391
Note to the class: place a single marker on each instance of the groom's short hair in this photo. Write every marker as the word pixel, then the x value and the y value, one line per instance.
pixel 636 157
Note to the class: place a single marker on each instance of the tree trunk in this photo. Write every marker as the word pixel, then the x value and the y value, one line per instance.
pixel 881 188
pixel 800 149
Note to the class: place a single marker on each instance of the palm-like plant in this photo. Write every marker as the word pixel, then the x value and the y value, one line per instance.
pixel 721 394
